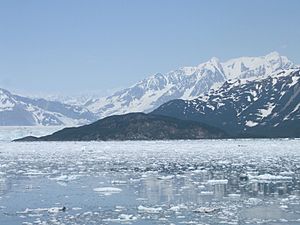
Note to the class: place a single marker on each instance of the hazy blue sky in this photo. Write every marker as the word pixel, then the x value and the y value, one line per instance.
pixel 71 46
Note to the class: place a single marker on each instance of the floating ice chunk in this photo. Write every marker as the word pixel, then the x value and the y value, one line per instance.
pixel 141 199
pixel 62 183
pixel 287 173
pixel 65 178
pixel 119 208
pixel 205 210
pixel 88 214
pixel 126 217
pixel 34 173
pixel 118 182
pixel 123 218
pixel 108 190
pixel 250 123
pixel 56 209
pixel 200 171
pixel 215 182
pixel 178 207
pixel 43 210
pixel 76 208
pixel 152 210
pixel 284 207
pixel 253 201
pixel 201 187
pixel 184 187
pixel 270 178
pixel 206 193
pixel 234 195
pixel 170 177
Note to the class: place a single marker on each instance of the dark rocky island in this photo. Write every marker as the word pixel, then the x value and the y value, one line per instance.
pixel 134 126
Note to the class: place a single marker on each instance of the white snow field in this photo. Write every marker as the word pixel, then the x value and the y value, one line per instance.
pixel 164 182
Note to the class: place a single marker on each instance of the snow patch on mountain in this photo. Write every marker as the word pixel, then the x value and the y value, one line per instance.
pixel 240 106
pixel 187 83
pixel 22 111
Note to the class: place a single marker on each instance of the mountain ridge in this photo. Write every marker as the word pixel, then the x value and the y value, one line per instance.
pixel 186 83
pixel 134 126
pixel 246 108
pixel 264 107
pixel 17 110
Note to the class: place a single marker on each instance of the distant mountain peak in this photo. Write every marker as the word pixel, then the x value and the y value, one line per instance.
pixel 23 111
pixel 262 107
pixel 187 83
pixel 184 83
pixel 272 55
pixel 215 60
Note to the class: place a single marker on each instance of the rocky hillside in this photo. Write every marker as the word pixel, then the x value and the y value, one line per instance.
pixel 262 107
pixel 134 126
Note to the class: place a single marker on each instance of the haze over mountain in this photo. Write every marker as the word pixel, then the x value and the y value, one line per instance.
pixel 23 111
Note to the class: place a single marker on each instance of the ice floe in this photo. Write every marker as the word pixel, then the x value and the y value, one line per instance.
pixel 152 210
pixel 107 190
pixel 167 182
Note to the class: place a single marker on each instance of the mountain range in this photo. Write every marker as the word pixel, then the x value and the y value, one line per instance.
pixel 185 83
pixel 16 110
pixel 265 107
pixel 262 107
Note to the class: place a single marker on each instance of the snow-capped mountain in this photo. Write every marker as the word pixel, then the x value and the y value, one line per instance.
pixel 186 83
pixel 260 107
pixel 77 100
pixel 22 111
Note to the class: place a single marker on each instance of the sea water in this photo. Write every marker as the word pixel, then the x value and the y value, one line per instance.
pixel 150 182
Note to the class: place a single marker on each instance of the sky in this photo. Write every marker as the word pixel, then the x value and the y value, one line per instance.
pixel 74 47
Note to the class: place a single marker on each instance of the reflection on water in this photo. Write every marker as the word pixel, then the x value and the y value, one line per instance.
pixel 176 182
pixel 3 185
